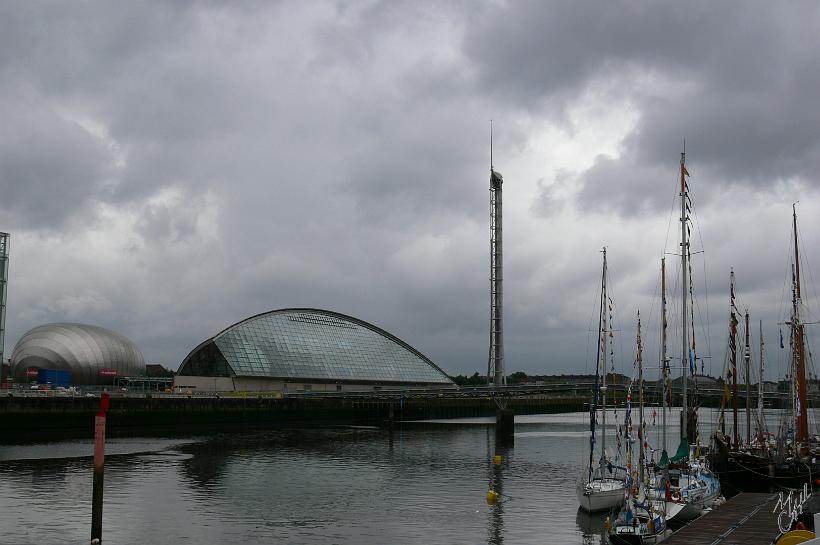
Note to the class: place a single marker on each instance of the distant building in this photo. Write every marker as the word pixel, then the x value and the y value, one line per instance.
pixel 702 381
pixel 769 386
pixel 156 370
pixel 306 349
pixel 90 354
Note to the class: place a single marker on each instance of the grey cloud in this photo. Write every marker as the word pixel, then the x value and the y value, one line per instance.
pixel 335 155
pixel 50 166
pixel 738 82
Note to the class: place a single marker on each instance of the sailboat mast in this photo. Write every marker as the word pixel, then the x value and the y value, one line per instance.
pixel 799 347
pixel 760 389
pixel 684 250
pixel 747 357
pixel 602 355
pixel 664 374
pixel 594 407
pixel 640 400
pixel 733 358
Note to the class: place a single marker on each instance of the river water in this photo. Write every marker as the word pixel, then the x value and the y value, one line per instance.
pixel 419 484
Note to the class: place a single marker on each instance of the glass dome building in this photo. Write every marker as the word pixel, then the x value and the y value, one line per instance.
pixel 306 349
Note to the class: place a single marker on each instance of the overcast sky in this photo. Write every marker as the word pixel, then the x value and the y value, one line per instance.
pixel 170 168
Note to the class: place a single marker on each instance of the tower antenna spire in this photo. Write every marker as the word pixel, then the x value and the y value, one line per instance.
pixel 491 145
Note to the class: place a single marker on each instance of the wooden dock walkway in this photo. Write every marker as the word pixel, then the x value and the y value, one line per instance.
pixel 746 519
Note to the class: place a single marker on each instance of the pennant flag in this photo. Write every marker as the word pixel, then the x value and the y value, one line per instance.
pixel 781 339
pixel 692 361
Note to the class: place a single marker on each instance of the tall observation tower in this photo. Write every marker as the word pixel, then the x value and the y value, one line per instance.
pixel 495 364
pixel 4 280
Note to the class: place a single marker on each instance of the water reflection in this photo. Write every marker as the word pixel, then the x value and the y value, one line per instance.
pixel 495 448
pixel 591 526
pixel 207 462
pixel 419 485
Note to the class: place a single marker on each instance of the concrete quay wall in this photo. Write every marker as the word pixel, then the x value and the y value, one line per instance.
pixel 34 417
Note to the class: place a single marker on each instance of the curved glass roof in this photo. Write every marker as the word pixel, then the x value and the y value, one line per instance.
pixel 311 344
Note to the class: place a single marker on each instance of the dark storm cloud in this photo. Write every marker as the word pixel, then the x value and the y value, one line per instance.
pixel 302 124
pixel 186 165
pixel 738 81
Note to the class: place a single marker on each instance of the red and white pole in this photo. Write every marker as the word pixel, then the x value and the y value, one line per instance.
pixel 99 469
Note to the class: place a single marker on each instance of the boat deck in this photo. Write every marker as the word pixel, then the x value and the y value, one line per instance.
pixel 746 519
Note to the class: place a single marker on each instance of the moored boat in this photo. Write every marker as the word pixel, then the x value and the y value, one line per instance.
pixel 640 520
pixel 683 484
pixel 641 524
pixel 603 486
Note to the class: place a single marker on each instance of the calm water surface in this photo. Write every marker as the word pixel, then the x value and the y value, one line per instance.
pixel 416 485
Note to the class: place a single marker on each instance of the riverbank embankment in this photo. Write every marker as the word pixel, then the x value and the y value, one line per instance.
pixel 40 417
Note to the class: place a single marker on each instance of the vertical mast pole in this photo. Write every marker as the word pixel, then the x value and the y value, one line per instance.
pixel 793 363
pixel 733 358
pixel 664 373
pixel 602 352
pixel 760 390
pixel 747 356
pixel 640 401
pixel 684 249
pixel 799 347
pixel 4 280
pixel 601 347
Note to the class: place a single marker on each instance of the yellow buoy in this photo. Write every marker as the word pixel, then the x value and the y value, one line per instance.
pixel 795 536
pixel 492 496
pixel 497 460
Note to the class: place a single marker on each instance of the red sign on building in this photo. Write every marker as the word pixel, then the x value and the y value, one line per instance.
pixel 31 372
pixel 108 373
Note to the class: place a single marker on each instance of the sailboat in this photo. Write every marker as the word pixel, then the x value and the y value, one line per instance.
pixel 759 465
pixel 640 521
pixel 798 454
pixel 686 485
pixel 604 484
pixel 742 466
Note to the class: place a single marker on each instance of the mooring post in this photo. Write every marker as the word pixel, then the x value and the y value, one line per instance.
pixel 99 469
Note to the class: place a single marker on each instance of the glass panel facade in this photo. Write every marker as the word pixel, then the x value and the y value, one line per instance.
pixel 315 345
pixel 207 362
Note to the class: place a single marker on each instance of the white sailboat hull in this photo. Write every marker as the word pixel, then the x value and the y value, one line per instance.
pixel 697 492
pixel 600 495
pixel 680 512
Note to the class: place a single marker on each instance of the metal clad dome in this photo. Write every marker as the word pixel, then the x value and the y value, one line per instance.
pixel 311 344
pixel 81 349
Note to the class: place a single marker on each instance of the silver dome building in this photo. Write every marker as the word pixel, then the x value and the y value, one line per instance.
pixel 83 350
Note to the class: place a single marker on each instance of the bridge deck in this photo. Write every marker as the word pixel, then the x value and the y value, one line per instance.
pixel 746 519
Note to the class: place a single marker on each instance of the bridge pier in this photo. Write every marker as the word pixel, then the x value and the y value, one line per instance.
pixel 504 426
